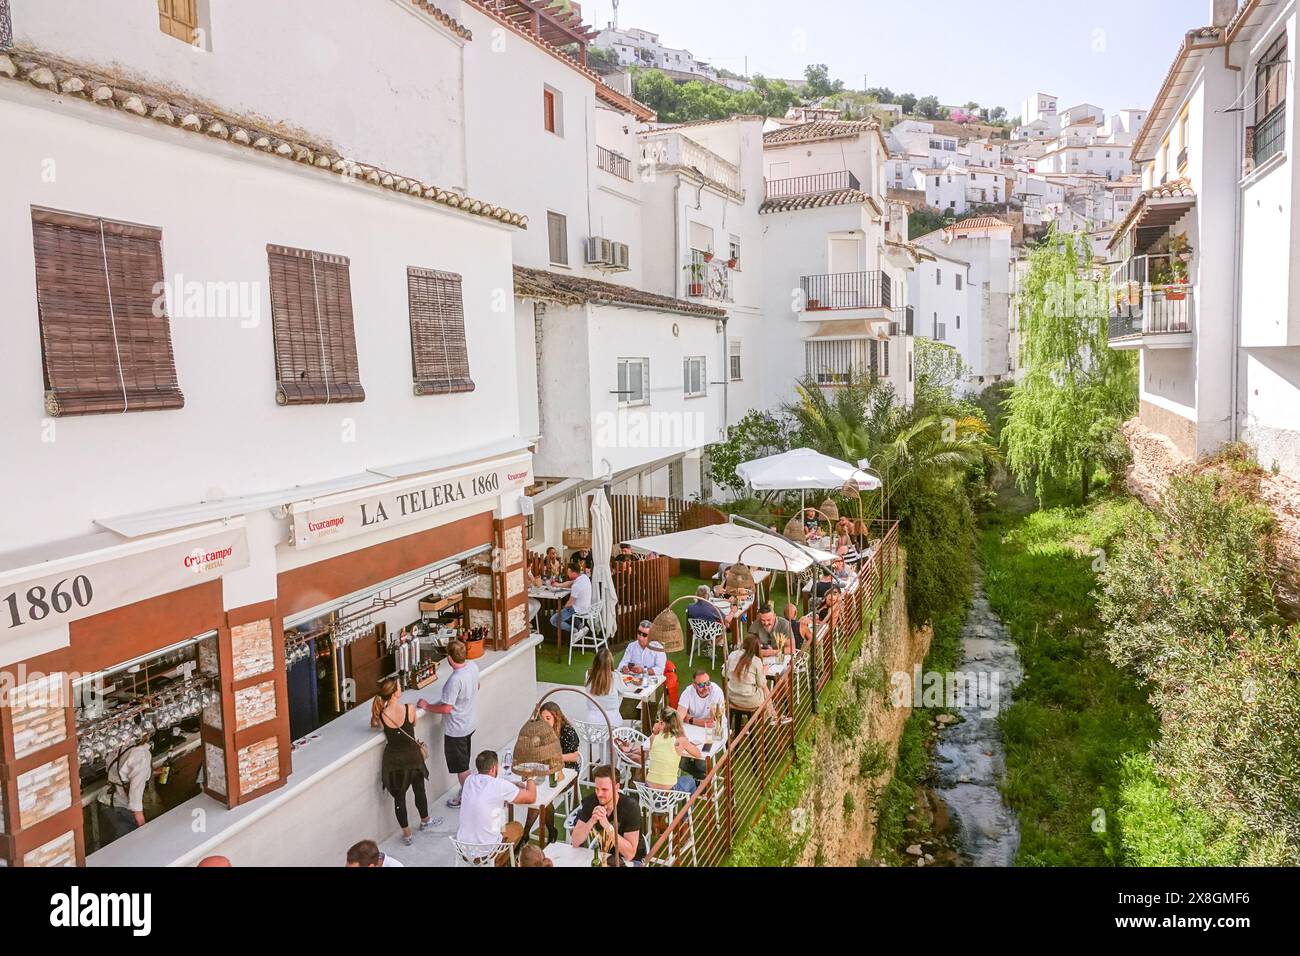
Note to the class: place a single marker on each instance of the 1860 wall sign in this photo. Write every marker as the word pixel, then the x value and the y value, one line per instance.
pixel 413 499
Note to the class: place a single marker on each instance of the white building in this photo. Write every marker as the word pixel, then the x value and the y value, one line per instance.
pixel 962 298
pixel 637 47
pixel 257 387
pixel 836 264
pixel 1220 353
pixel 1039 113
pixel 957 188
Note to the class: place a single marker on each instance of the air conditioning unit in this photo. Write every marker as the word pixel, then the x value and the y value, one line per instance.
pixel 599 251
pixel 621 256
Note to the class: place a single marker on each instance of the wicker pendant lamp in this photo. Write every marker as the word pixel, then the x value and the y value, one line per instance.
pixel 794 530
pixel 830 509
pixel 739 578
pixel 538 744
pixel 667 630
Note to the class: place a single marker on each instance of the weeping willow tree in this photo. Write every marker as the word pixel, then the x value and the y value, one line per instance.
pixel 1063 416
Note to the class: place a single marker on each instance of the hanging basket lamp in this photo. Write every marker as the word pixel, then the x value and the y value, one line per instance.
pixel 794 530
pixel 667 629
pixel 830 510
pixel 538 746
pixel 739 577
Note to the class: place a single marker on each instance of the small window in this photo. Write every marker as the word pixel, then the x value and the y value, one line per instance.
pixel 694 383
pixel 938 277
pixel 733 357
pixel 941 333
pixel 959 321
pixel 179 19
pixel 734 244
pixel 439 355
pixel 553 110
pixel 884 357
pixel 910 368
pixel 958 277
pixel 106 344
pixel 312 328
pixel 557 229
pixel 634 381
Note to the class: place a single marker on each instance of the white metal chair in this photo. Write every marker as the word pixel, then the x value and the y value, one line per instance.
pixel 667 804
pixel 481 854
pixel 592 750
pixel 705 633
pixel 588 630
pixel 632 760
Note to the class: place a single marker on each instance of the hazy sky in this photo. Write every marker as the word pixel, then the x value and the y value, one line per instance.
pixel 1112 53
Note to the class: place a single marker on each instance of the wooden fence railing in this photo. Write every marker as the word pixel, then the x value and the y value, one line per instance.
pixel 640 517
pixel 642 588
pixel 732 796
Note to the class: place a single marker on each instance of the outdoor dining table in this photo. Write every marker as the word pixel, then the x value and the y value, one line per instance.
pixel 651 689
pixel 742 611
pixel 547 793
pixel 563 854
pixel 556 595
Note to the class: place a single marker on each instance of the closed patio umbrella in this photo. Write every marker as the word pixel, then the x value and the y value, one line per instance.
pixel 602 546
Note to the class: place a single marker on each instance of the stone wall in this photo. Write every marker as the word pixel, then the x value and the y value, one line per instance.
pixel 840 831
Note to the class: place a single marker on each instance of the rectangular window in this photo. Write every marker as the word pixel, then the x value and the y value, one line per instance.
pixel 634 381
pixel 557 230
pixel 106 343
pixel 884 357
pixel 734 246
pixel 910 371
pixel 439 354
pixel 959 321
pixel 553 110
pixel 700 236
pixel 938 277
pixel 694 383
pixel 179 19
pixel 1270 108
pixel 941 333
pixel 312 328
pixel 958 277
pixel 733 356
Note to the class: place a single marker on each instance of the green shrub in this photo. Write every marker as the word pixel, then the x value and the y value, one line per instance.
pixel 849 804
pixel 874 760
pixel 1155 830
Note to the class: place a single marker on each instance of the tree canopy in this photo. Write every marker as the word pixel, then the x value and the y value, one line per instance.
pixel 1064 414
pixel 697 100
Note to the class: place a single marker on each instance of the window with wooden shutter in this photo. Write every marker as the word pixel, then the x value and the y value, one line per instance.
pixel 557 231
pixel 548 109
pixel 106 341
pixel 179 18
pixel 311 318
pixel 439 356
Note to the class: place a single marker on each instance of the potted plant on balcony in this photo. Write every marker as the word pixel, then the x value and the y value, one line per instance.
pixel 695 278
pixel 731 263
pixel 708 255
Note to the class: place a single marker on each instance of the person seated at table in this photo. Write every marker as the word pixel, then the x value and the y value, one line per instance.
pixel 603 685
pixel 703 609
pixel 829 611
pixel 583 557
pixel 773 633
pixel 552 566
pixel 843 530
pixel 669 746
pixel 699 701
pixel 481 798
pixel 640 657
pixel 842 573
pixel 569 744
pixel 825 584
pixel 579 600
pixel 746 683
pixel 614 818
pixel 532 855
pixel 791 614
pixel 625 558
pixel 810 522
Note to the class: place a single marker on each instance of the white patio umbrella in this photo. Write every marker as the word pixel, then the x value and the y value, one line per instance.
pixel 801 469
pixel 721 543
pixel 602 546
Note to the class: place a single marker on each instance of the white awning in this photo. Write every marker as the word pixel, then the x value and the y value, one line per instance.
pixel 803 469
pixel 723 544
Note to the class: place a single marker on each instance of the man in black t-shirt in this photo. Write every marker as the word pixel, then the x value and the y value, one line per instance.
pixel 625 558
pixel 620 829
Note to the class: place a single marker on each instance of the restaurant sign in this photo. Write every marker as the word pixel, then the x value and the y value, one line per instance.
pixel 68 589
pixel 409 500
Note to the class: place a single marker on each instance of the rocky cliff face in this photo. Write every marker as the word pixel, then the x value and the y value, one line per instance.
pixel 859 731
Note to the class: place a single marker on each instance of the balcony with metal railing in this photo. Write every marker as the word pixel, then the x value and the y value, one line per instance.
pixel 847 290
pixel 668 148
pixel 1152 317
pixel 708 277
pixel 614 163
pixel 812 185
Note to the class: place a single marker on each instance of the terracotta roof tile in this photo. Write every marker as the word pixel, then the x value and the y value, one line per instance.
pixel 820 129
pixel 445 18
pixel 606 93
pixel 75 81
pixel 578 290
pixel 1174 189
pixel 977 222
pixel 841 197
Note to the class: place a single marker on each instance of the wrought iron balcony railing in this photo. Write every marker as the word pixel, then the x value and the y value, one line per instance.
pixel 847 290
pixel 813 185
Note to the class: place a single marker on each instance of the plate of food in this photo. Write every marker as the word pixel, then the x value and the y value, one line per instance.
pixel 531 769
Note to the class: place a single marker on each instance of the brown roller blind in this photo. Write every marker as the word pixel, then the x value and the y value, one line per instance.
pixel 439 357
pixel 311 318
pixel 105 336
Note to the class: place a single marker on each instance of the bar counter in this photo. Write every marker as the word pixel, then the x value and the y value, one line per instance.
pixel 333 796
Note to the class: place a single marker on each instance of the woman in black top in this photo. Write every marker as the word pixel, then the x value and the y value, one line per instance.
pixel 569 744
pixel 403 766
